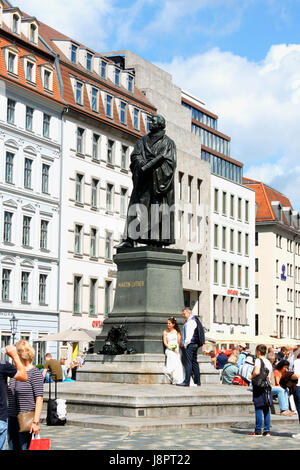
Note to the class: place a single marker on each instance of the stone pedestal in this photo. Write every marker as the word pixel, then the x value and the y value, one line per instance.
pixel 148 291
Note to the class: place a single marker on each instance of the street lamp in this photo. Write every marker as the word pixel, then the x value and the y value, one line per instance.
pixel 13 327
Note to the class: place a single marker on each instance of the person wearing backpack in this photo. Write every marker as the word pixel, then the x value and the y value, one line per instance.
pixel 261 392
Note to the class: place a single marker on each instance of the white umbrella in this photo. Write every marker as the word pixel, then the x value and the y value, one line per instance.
pixel 72 336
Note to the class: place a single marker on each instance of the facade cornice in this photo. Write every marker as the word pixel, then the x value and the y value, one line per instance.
pixel 278 225
pixel 36 197
pixel 221 155
pixel 9 128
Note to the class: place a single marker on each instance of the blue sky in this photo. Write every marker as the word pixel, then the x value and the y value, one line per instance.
pixel 241 57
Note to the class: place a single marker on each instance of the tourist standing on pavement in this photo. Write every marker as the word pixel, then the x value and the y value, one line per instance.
pixel 191 338
pixel 24 397
pixel 262 397
pixel 18 372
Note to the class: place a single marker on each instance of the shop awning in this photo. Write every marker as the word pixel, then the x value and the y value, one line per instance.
pixel 237 338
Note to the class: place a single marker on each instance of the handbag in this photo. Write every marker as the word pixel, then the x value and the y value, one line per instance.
pixel 261 381
pixel 25 421
pixel 39 444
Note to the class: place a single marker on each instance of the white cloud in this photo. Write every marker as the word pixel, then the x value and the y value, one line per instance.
pixel 258 104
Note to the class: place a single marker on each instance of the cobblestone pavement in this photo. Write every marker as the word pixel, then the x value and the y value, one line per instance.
pixel 80 438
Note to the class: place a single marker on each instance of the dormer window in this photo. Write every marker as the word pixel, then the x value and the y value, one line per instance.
pixel 117 76
pixel 79 93
pixel 103 69
pixel 11 59
pixel 32 33
pixel 15 23
pixel 11 62
pixel 46 74
pixel 29 71
pixel 89 58
pixel 130 83
pixel 29 68
pixel 94 99
pixel 123 112
pixel 136 118
pixel 74 50
pixel 109 105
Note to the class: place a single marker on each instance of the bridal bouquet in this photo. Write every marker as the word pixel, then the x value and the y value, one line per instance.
pixel 173 347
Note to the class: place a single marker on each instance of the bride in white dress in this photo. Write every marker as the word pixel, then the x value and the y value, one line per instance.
pixel 172 338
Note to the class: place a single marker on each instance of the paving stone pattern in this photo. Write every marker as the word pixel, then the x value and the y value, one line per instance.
pixel 77 438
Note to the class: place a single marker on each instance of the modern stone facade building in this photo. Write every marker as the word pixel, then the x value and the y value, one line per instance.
pixel 277 263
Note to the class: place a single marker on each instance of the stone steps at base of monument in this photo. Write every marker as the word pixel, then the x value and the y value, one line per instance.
pixel 137 369
pixel 128 425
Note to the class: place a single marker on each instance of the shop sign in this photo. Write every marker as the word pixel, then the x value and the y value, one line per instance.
pixel 232 292
pixel 97 324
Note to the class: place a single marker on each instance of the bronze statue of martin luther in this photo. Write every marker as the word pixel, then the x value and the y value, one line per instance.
pixel 150 215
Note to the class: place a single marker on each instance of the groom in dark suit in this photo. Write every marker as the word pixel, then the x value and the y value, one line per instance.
pixel 191 338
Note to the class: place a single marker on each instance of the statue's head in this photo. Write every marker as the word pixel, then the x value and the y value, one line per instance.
pixel 157 123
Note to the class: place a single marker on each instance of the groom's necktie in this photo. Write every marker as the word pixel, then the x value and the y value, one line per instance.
pixel 183 336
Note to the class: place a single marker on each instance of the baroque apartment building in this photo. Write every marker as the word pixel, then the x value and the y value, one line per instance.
pixel 277 263
pixel 30 148
pixel 232 226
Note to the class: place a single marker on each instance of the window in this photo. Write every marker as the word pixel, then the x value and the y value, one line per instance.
pixel 189 265
pixel 7 230
pixel 93 284
pixel 26 230
pixel 123 201
pixel 46 125
pixel 42 289
pixel 94 99
pixel 124 157
pixel 27 173
pixel 216 271
pixel 94 199
pixel 78 239
pixel 123 112
pixel 47 79
pixel 246 244
pixel 108 106
pixel 231 239
pixel 109 197
pixel 79 140
pixel 148 123
pixel 130 83
pixel 136 119
pixel 11 104
pixel 5 284
pixel 246 277
pixel 96 146
pixel 216 200
pixel 103 69
pixel 239 208
pixel 239 276
pixel 11 61
pixel 78 189
pixel 73 54
pixel 231 205
pixel 117 76
pixel 224 200
pixel 256 238
pixel 107 306
pixel 246 211
pixel 45 178
pixel 256 291
pixel 89 61
pixel 110 151
pixel 199 182
pixel 190 227
pixel 231 274
pixel 79 94
pixel 257 266
pixel 93 243
pixel 15 24
pixel 239 242
pixel 32 33
pixel 198 267
pixel 108 245
pixel 24 286
pixel 216 231
pixel 190 180
pixel 180 181
pixel 29 118
pixel 223 273
pixel 29 71
pixel 224 238
pixel 76 294
pixel 9 165
pixel 44 235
